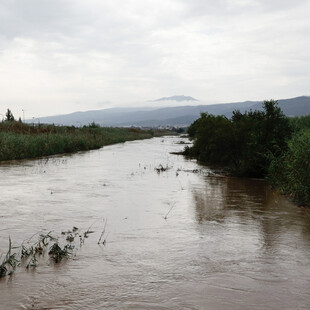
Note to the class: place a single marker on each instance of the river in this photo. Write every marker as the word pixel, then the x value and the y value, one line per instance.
pixel 183 238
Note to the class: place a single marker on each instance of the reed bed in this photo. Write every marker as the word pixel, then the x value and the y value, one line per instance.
pixel 23 141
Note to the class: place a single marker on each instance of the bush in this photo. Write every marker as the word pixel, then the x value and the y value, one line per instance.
pixel 291 171
pixel 245 144
pixel 300 123
pixel 213 139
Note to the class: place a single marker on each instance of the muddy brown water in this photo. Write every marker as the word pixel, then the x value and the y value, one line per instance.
pixel 227 243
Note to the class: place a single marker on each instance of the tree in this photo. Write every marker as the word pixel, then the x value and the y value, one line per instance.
pixel 9 116
pixel 245 144
pixel 212 139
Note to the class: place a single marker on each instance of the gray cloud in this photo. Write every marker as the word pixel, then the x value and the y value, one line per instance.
pixel 62 55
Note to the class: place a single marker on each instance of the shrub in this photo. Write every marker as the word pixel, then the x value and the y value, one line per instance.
pixel 245 144
pixel 291 171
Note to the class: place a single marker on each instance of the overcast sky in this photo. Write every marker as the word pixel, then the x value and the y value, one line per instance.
pixel 61 56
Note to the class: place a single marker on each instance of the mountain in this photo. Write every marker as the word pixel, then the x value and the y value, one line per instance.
pixel 170 116
pixel 292 107
pixel 176 98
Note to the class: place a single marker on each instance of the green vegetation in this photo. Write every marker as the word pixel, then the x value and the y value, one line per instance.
pixel 263 144
pixel 49 245
pixel 21 141
pixel 9 116
pixel 9 262
pixel 291 171
pixel 300 123
pixel 245 144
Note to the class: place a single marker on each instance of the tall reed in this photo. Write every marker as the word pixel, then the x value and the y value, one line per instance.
pixel 21 141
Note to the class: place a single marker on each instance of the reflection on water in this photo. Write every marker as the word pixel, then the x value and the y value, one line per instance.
pixel 177 239
pixel 220 196
pixel 250 202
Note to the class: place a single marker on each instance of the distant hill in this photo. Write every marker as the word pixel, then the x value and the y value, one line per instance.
pixel 292 107
pixel 170 116
pixel 176 98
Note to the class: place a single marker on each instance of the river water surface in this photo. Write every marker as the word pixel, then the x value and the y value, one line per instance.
pixel 183 238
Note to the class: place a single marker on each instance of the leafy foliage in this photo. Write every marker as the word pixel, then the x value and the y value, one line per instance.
pixel 300 123
pixel 245 144
pixel 212 136
pixel 291 171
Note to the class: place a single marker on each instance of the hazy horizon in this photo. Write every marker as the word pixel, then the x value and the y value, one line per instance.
pixel 157 105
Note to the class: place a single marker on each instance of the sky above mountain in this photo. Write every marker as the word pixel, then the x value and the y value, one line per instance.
pixel 62 56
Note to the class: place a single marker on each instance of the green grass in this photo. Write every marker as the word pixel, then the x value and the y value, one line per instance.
pixel 22 141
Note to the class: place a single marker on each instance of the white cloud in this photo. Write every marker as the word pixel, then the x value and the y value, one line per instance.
pixel 61 56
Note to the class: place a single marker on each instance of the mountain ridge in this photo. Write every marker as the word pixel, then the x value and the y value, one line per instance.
pixel 170 116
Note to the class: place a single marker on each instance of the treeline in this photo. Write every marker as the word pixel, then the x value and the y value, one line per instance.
pixel 263 144
pixel 23 141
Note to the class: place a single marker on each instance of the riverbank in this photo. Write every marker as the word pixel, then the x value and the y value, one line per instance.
pixel 23 141
pixel 257 144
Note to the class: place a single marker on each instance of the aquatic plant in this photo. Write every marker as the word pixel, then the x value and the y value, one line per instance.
pixel 9 262
pixel 27 253
pixel 161 168
pixel 57 253
pixel 102 234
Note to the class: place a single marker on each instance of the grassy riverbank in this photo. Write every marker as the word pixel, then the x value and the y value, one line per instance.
pixel 263 144
pixel 23 141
